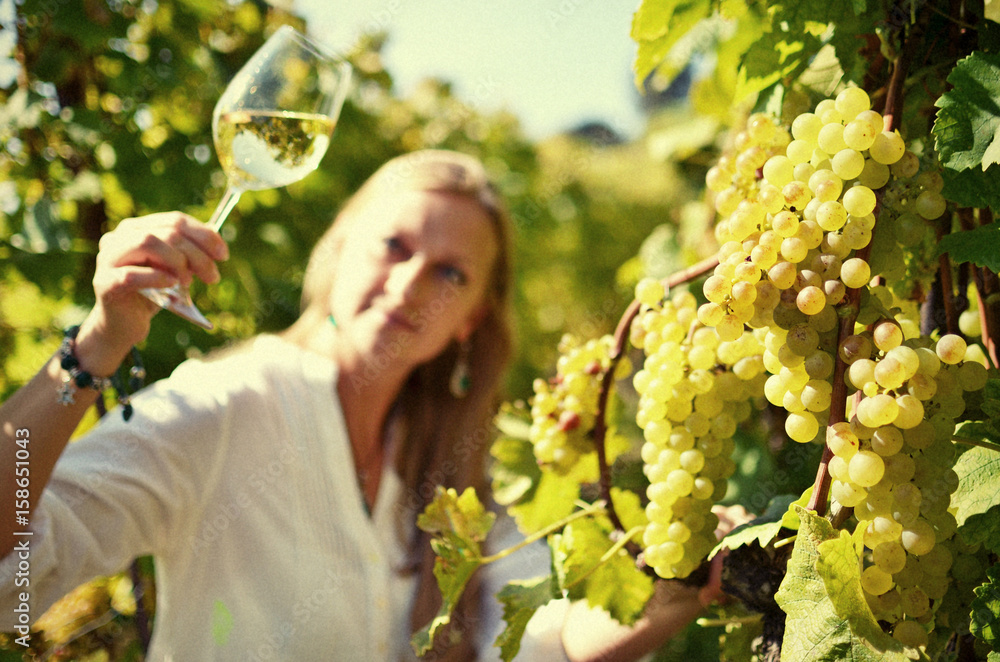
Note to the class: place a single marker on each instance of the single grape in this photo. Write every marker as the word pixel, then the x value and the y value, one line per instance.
pixel 799 151
pixel 887 148
pixel 848 163
pixel 874 176
pixel 810 300
pixel 930 205
pixel 851 101
pixel 911 634
pixel 876 581
pixel 859 200
pixel 918 538
pixel 801 426
pixel 887 336
pixel 806 127
pixel 951 349
pixel 866 468
pixel 831 138
pixel 831 215
pixel 855 273
pixel 858 135
pixel 907 166
pixel 649 291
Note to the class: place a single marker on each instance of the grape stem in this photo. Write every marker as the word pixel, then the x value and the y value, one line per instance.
pixel 849 308
pixel 607 556
pixel 617 352
pixel 986 286
pixel 977 442
pixel 596 508
pixel 947 288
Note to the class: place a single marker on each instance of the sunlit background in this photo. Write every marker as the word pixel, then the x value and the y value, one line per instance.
pixel 555 64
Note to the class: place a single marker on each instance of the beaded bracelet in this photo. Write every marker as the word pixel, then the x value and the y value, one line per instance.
pixel 77 378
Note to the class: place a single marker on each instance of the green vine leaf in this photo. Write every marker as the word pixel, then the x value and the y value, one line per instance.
pixel 978 472
pixel 820 625
pixel 553 498
pixel 780 513
pixel 535 498
pixel 975 501
pixel 514 471
pixel 614 584
pixel 968 118
pixel 520 600
pixel 459 525
pixel 629 508
pixel 980 246
pixel 985 623
pixel 972 187
pixel 657 26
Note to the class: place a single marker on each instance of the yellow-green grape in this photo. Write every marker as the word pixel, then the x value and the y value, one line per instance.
pixel 911 634
pixel 876 581
pixel 951 349
pixel 649 291
pixel 970 323
pixel 859 200
pixel 564 410
pixel 848 163
pixel 887 148
pixel 888 335
pixel 851 101
pixel 855 273
pixel 686 456
pixel 875 175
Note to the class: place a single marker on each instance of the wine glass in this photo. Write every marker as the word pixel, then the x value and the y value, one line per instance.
pixel 271 127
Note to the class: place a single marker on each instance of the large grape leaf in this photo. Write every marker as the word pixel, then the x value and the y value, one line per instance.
pixel 657 26
pixel 520 600
pixel 972 187
pixel 553 498
pixel 615 584
pixel 820 626
pixel 983 529
pixel 775 57
pixel 534 498
pixel 763 529
pixel 975 502
pixel 985 622
pixel 978 472
pixel 514 470
pixel 980 246
pixel 459 524
pixel 814 17
pixel 968 119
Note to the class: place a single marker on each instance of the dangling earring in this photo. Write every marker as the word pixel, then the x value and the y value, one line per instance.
pixel 459 382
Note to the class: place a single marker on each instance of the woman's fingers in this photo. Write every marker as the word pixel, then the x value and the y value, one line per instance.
pixel 171 242
pixel 155 251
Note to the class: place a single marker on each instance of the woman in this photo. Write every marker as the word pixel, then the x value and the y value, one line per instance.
pixel 277 483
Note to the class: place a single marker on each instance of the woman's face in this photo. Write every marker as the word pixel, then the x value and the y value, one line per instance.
pixel 411 277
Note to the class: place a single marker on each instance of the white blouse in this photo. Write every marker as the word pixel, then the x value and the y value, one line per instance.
pixel 236 474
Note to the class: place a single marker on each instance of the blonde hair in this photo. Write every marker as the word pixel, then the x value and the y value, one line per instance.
pixel 446 438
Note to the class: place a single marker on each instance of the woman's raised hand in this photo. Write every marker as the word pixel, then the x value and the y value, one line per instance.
pixel 152 251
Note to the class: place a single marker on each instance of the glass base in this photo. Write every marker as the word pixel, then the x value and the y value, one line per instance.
pixel 178 302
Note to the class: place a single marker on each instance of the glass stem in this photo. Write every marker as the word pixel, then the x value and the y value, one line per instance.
pixel 226 204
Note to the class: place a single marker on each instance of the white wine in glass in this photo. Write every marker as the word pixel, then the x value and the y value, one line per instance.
pixel 271 126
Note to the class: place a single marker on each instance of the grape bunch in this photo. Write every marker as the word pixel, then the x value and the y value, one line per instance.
pixel 564 409
pixel 694 389
pixel 892 464
pixel 905 255
pixel 793 236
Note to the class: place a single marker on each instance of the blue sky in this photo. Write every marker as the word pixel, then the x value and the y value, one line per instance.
pixel 553 63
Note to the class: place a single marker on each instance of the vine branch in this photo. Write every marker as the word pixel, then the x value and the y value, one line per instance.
pixel 850 307
pixel 617 352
